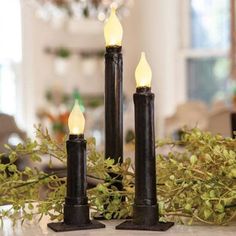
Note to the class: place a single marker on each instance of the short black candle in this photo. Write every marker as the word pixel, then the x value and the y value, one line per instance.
pixel 113 103
pixel 76 169
pixel 76 180
pixel 76 208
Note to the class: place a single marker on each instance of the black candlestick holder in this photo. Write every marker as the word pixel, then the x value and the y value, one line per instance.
pixel 76 217
pixel 76 208
pixel 145 218
pixel 113 111
pixel 145 208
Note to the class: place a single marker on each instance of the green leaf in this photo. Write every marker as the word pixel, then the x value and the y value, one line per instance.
pixel 193 159
pixel 207 213
pixel 233 173
pixel 28 170
pixel 220 218
pixel 108 216
pixel 219 208
pixel 212 193
pixel 188 207
pixel 12 168
pixel 35 158
pixel 2 167
pixel 30 206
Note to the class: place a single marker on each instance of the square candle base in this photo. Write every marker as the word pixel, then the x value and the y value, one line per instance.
pixel 159 226
pixel 62 227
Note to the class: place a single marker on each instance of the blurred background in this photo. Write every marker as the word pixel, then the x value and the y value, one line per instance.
pixel 52 52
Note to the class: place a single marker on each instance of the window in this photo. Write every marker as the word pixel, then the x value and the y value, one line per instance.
pixel 205 45
pixel 10 54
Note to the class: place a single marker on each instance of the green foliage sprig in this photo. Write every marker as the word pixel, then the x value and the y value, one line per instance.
pixel 195 181
pixel 201 179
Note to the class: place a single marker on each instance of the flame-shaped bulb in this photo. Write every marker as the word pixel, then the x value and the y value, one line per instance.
pixel 113 31
pixel 76 120
pixel 143 73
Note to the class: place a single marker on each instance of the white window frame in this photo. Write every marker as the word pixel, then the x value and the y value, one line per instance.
pixel 186 52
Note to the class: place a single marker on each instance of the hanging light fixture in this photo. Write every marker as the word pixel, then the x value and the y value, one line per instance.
pixel 58 12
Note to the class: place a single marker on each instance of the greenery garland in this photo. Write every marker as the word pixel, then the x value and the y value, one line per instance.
pixel 197 183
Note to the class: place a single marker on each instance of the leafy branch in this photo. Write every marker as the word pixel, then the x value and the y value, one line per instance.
pixel 195 181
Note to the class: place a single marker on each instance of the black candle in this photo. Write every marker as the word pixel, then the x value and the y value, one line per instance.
pixel 233 124
pixel 145 203
pixel 76 181
pixel 76 208
pixel 113 89
pixel 145 164
pixel 145 208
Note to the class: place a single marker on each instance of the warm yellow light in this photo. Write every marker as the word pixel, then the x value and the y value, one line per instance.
pixel 76 120
pixel 143 73
pixel 113 31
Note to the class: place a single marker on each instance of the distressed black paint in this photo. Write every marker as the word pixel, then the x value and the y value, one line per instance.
pixel 114 103
pixel 145 203
pixel 76 170
pixel 76 209
pixel 145 208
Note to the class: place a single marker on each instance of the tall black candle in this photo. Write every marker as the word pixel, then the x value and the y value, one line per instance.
pixel 113 89
pixel 76 208
pixel 233 124
pixel 145 208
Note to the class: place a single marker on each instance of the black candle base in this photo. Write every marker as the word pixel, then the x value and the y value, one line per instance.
pixel 62 227
pixel 159 226
pixel 145 217
pixel 76 217
pixel 145 214
pixel 76 214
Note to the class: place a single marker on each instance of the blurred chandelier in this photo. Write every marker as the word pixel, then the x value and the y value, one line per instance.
pixel 62 10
